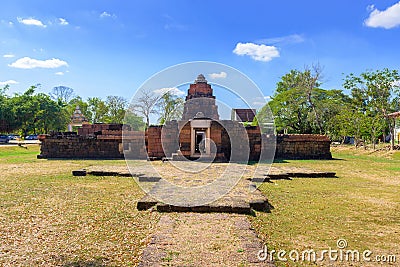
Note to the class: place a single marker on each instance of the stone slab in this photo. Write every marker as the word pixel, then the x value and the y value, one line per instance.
pixel 79 173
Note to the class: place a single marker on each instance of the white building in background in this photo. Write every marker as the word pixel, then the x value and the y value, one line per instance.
pixel 396 116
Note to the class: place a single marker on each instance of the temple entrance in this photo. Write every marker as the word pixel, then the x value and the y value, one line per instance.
pixel 200 144
pixel 200 134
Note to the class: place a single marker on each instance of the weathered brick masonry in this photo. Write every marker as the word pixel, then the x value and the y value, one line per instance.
pixel 107 144
pixel 92 141
pixel 303 146
pixel 200 133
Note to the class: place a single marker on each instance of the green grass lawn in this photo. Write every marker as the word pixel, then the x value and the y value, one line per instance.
pixel 361 206
pixel 50 218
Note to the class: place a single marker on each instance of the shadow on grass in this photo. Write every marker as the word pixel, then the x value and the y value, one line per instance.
pixel 280 161
pixel 77 159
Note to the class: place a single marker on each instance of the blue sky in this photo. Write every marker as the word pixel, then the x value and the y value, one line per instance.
pixel 111 47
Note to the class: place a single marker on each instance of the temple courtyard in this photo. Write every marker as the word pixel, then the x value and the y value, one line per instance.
pixel 51 218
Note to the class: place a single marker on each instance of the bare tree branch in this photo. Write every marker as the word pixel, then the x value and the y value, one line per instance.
pixel 145 104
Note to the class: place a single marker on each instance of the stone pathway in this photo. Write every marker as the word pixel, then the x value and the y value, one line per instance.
pixel 198 187
pixel 196 239
pixel 214 234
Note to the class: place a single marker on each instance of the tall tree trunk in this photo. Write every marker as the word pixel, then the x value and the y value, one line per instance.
pixel 147 122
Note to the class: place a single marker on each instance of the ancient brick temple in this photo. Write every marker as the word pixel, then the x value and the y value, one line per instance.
pixel 200 134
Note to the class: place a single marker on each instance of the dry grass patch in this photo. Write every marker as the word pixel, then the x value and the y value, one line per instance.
pixel 50 218
pixel 361 206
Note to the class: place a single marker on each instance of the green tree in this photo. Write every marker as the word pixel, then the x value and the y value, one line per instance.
pixel 97 108
pixel 170 107
pixel 300 106
pixel 375 94
pixel 50 115
pixel 289 105
pixel 328 104
pixel 25 108
pixel 134 121
pixel 349 122
pixel 116 106
pixel 7 116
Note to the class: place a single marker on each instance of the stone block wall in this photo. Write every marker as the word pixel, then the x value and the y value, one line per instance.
pixel 254 135
pixel 135 144
pixel 100 129
pixel 94 141
pixel 154 146
pixel 303 146
pixel 81 147
pixel 216 130
pixel 235 138
pixel 185 139
pixel 170 138
pixel 105 141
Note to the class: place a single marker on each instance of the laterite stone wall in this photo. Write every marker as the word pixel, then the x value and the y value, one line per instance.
pixel 81 147
pixel 105 141
pixel 303 146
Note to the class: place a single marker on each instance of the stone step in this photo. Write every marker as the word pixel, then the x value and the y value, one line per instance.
pixel 289 175
pixel 79 173
pixel 237 206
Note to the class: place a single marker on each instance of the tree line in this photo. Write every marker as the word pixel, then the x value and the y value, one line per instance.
pixel 300 105
pixel 32 112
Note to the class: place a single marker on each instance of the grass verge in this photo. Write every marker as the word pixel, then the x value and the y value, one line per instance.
pixel 361 206
pixel 50 218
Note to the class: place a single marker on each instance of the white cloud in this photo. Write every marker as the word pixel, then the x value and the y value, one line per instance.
pixel 30 63
pixel 31 21
pixel 8 56
pixel 283 40
pixel 63 21
pixel 172 90
pixel 40 50
pixel 8 82
pixel 387 19
pixel 107 15
pixel 221 75
pixel 59 73
pixel 256 52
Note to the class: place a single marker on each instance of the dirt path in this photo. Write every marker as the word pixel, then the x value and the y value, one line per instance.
pixel 203 239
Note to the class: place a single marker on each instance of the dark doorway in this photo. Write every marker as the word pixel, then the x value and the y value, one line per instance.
pixel 200 142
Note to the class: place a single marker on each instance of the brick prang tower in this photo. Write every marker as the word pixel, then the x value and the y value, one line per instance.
pixel 200 101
